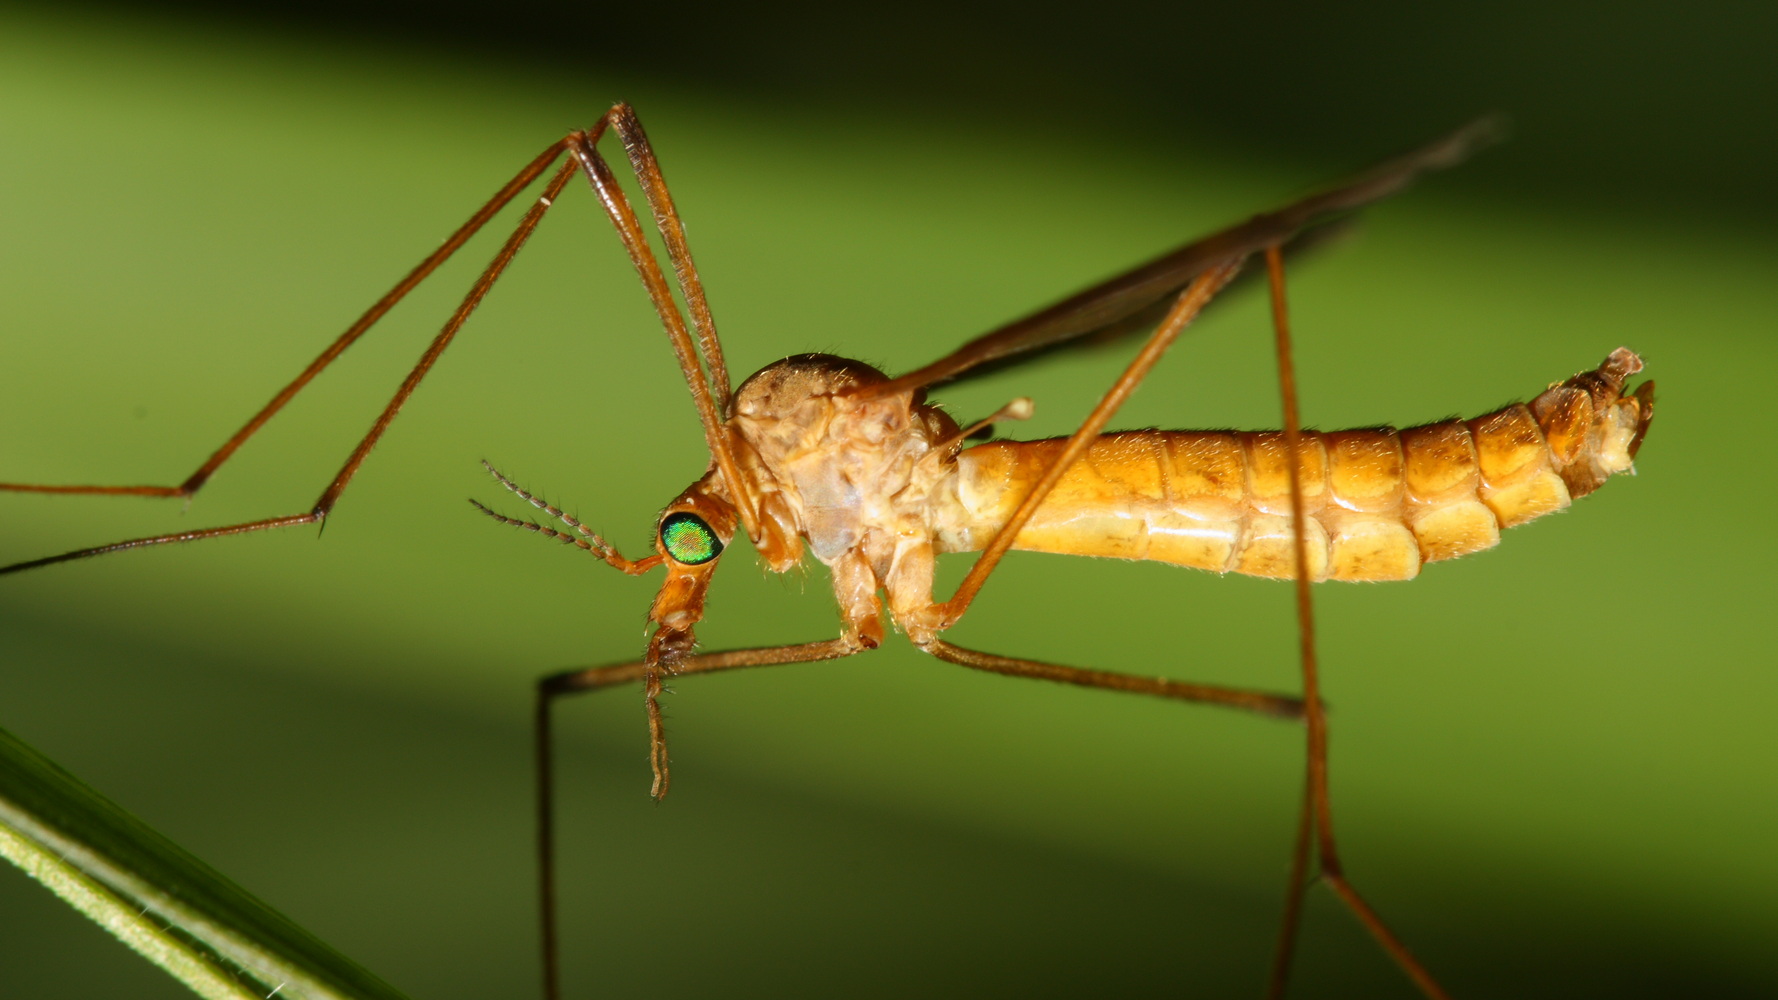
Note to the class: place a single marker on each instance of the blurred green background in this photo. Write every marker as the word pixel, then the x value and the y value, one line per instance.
pixel 1554 764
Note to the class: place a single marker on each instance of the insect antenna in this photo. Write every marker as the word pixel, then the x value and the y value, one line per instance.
pixel 533 526
pixel 584 537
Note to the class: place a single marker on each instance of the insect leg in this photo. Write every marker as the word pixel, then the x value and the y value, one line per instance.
pixel 598 678
pixel 331 495
pixel 628 127
pixel 407 284
pixel 1264 702
pixel 1192 301
pixel 710 393
pixel 1315 822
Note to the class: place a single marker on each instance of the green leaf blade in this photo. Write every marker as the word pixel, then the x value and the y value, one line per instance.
pixel 157 898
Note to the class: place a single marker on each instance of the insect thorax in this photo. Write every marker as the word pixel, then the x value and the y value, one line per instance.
pixel 842 470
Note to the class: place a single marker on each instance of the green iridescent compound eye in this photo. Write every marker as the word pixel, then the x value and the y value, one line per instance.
pixel 688 539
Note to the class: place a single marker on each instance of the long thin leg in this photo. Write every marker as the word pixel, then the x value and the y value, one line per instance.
pixel 1191 302
pixel 599 678
pixel 1285 949
pixel 1316 752
pixel 324 505
pixel 1280 705
pixel 666 217
pixel 197 479
pixel 1317 815
pixel 710 392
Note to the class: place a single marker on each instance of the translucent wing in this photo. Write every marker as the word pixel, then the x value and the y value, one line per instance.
pixel 1125 301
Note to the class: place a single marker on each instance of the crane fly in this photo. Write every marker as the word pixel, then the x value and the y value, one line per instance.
pixel 827 456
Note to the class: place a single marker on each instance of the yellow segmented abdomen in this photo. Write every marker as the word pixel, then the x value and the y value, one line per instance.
pixel 1378 502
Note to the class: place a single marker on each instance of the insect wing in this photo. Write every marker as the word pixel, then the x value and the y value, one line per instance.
pixel 1123 301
